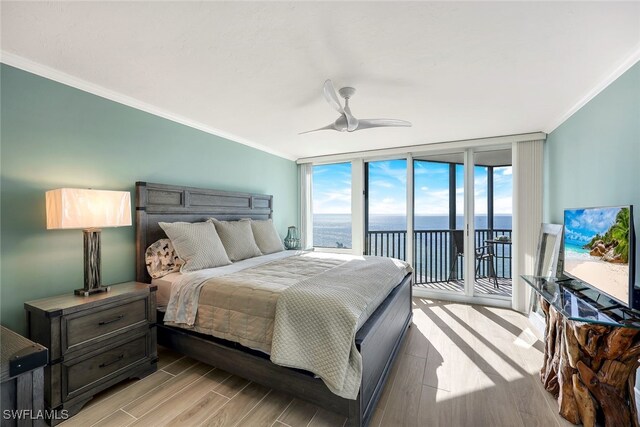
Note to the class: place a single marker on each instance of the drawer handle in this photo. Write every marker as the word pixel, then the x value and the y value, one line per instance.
pixel 106 322
pixel 117 359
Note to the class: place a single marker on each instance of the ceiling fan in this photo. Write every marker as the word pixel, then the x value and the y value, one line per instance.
pixel 346 121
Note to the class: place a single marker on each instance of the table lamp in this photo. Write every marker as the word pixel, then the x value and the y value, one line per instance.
pixel 89 210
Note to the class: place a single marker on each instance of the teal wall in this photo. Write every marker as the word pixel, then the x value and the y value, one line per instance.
pixel 55 136
pixel 593 158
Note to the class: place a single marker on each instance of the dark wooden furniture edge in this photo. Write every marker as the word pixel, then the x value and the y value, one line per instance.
pixel 378 340
pixel 22 364
pixel 70 303
pixel 19 354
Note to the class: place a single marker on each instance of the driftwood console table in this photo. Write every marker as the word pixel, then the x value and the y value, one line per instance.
pixel 591 353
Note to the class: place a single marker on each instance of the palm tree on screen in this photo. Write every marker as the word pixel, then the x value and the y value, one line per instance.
pixel 620 232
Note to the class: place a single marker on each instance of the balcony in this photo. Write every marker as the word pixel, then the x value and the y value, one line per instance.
pixel 434 259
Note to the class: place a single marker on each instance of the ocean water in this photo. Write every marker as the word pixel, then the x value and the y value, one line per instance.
pixel 574 250
pixel 433 250
pixel 333 230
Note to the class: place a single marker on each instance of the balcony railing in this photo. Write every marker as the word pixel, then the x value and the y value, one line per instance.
pixel 434 252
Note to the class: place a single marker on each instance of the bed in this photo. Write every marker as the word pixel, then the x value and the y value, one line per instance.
pixel 378 340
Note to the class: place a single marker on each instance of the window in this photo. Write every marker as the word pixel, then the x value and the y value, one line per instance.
pixel 503 197
pixel 481 197
pixel 332 206
pixel 387 195
pixel 431 195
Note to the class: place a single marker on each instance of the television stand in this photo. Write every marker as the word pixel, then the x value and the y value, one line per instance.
pixel 590 355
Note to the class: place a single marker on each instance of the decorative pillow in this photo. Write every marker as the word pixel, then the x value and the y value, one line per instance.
pixel 162 259
pixel 266 236
pixel 237 239
pixel 198 244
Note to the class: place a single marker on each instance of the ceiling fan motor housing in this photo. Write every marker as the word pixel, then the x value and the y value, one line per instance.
pixel 347 92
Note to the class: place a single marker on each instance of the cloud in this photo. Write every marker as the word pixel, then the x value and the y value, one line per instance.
pixel 387 206
pixel 591 220
pixel 332 202
pixel 574 236
pixel 503 171
pixel 432 169
pixel 432 203
pixel 424 188
pixel 381 183
pixel 503 205
pixel 386 169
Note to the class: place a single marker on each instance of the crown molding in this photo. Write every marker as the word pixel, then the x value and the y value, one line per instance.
pixel 86 86
pixel 622 68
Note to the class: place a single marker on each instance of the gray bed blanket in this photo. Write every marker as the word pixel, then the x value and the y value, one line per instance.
pixel 317 319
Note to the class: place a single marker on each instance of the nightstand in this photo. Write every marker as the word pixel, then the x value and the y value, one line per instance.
pixel 21 380
pixel 94 342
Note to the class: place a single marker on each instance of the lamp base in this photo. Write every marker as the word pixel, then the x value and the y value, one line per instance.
pixel 86 292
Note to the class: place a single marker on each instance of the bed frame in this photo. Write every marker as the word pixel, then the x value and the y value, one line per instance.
pixel 378 340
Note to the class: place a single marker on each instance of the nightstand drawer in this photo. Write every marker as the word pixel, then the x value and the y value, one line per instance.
pixel 84 373
pixel 94 325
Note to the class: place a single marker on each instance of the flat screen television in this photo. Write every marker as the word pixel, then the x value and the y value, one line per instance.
pixel 599 246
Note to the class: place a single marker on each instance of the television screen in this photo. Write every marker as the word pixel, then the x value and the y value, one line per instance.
pixel 597 249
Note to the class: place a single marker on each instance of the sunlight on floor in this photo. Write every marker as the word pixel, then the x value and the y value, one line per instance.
pixel 481 355
pixel 526 339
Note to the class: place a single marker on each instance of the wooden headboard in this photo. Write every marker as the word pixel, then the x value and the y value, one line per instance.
pixel 171 203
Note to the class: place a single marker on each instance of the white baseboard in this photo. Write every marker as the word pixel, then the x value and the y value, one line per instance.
pixel 502 302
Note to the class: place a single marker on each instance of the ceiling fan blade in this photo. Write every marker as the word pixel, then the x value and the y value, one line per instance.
pixel 328 127
pixel 377 123
pixel 332 97
pixel 352 122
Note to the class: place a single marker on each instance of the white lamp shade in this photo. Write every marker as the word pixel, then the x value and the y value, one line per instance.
pixel 82 208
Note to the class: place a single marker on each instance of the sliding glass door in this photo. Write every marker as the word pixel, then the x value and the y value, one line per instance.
pixel 386 208
pixel 439 221
pixel 462 223
pixel 493 202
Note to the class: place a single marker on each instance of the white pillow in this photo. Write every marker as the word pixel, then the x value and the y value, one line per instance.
pixel 161 259
pixel 266 236
pixel 237 239
pixel 198 244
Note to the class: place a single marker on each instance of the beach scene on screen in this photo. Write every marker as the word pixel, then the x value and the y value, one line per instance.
pixel 597 248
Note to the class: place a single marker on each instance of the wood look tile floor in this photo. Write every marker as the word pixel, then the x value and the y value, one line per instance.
pixel 460 365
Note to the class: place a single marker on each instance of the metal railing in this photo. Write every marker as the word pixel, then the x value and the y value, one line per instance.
pixel 434 253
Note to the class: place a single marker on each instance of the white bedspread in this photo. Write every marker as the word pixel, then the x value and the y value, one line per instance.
pixel 185 292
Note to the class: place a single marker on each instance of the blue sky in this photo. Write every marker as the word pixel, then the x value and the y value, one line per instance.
pixel 332 188
pixel 387 188
pixel 581 225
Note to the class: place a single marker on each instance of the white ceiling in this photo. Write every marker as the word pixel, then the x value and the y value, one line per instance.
pixel 254 71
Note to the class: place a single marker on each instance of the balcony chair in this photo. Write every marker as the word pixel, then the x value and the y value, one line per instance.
pixel 483 253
